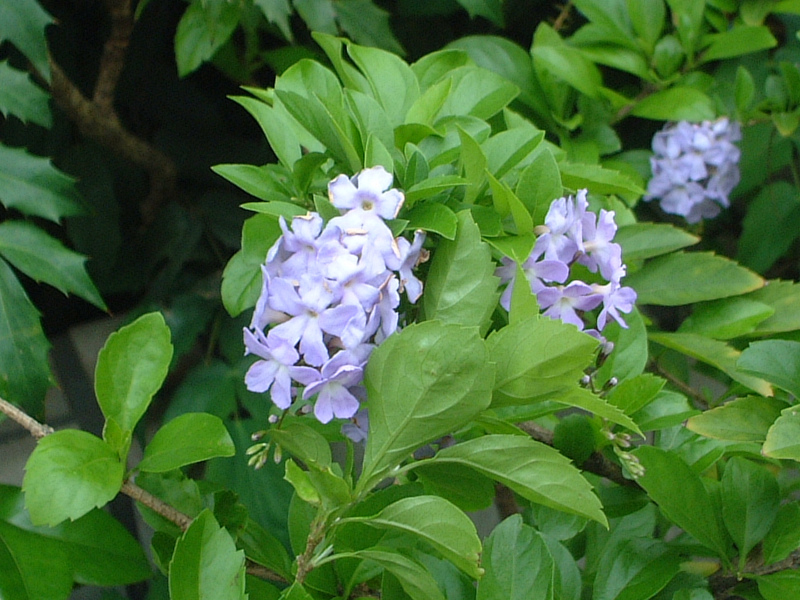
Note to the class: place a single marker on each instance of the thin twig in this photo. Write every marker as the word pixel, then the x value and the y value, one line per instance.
pixel 113 58
pixel 36 429
pixel 156 504
pixel 561 20
pixel 697 398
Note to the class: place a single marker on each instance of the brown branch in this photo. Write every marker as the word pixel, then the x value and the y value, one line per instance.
pixel 100 123
pixel 597 463
pixel 113 58
pixel 561 20
pixel 698 399
pixel 130 489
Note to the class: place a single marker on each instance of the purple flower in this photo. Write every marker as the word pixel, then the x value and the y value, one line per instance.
pixel 695 168
pixel 600 253
pixel 562 234
pixel 334 398
pixel 615 298
pixel 562 302
pixel 366 197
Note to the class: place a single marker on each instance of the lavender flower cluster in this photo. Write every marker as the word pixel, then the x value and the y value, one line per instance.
pixel 330 294
pixel 695 168
pixel 573 235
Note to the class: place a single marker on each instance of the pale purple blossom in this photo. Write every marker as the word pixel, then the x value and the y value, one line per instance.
pixel 330 294
pixel 695 168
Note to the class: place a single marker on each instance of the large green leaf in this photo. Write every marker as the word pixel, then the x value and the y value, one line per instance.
pixel 490 9
pixel 687 277
pixel 597 179
pixel 553 54
pixel 203 29
pixel 783 585
pixel 477 92
pixel 772 215
pixel 440 524
pixel 742 420
pixel 587 400
pixel 750 499
pixel 784 298
pixel 33 186
pixel 646 240
pixel 783 438
pixel 69 473
pixel 694 508
pixel 44 258
pixel 206 564
pixel 23 346
pixel 726 318
pixel 131 367
pixel 424 382
pixel 185 440
pixel 713 352
pixel 533 470
pixel 736 41
pixel 20 97
pixel 777 361
pixel 23 24
pixel 538 358
pixel 676 103
pixel 518 564
pixel 366 23
pixel 276 126
pixel 461 287
pixel 784 536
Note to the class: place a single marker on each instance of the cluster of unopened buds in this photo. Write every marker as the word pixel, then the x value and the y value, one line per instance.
pixel 330 294
pixel 695 168
pixel 572 235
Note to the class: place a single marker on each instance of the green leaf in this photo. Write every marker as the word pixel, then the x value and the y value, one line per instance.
pixel 646 240
pixel 744 89
pixel 783 585
pixel 131 367
pixel 713 352
pixel 743 39
pixel 20 97
pixel 568 64
pixel 278 13
pixel 413 577
pixel 431 187
pixel 461 287
pixel 689 17
pixel 206 564
pixel 783 438
pixel 34 187
pixel 242 278
pixel 277 126
pixel 542 369
pixel 424 382
pixel 391 80
pixel 539 184
pixel 203 29
pixel 632 394
pixel 750 499
pixel 44 258
pixel 477 92
pixel 770 215
pixel 648 18
pixel 598 179
pixel 634 568
pixel 95 550
pixel 666 410
pixel 630 354
pixel 303 442
pixel 24 25
pixel 507 149
pixel 440 524
pixel 784 536
pixel 741 420
pixel 263 548
pixel 472 163
pixel 367 24
pixel 693 510
pixel 462 486
pixel 185 440
pixel 506 202
pixel 435 217
pixel 677 103
pixel 23 351
pixel 535 471
pixel 518 564
pixel 727 318
pixel 69 473
pixel 490 9
pixel 777 361
pixel 784 297
pixel 687 277
pixel 589 401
